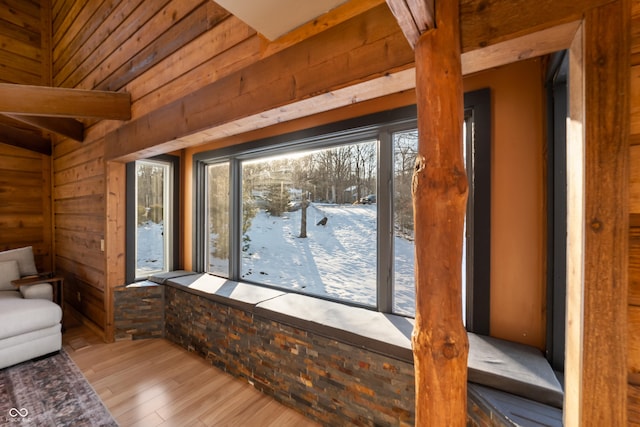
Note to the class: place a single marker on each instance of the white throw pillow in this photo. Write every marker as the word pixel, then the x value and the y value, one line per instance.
pixel 24 256
pixel 8 271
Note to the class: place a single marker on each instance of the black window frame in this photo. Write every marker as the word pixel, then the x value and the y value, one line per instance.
pixel 477 105
pixel 380 125
pixel 131 203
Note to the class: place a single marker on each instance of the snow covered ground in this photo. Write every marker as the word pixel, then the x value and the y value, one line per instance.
pixel 337 260
pixel 150 248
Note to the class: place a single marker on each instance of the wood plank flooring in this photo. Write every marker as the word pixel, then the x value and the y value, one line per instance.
pixel 157 383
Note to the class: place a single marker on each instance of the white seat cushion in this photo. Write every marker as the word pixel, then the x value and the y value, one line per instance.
pixel 41 290
pixel 10 294
pixel 8 271
pixel 19 316
pixel 24 257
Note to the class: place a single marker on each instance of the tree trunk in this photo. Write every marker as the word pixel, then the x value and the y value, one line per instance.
pixel 303 220
pixel 440 344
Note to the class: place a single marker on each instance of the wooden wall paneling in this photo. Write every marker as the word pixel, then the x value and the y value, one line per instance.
pixel 228 48
pixel 25 191
pixel 174 38
pixel 61 9
pixel 21 53
pixel 306 69
pixel 80 188
pixel 633 358
pixel 46 45
pixel 13 75
pixel 635 32
pixel 78 156
pixel 635 100
pixel 121 26
pixel 81 27
pixel 71 269
pixel 58 7
pixel 62 23
pixel 83 247
pixel 26 65
pixel 10 44
pixel 634 180
pixel 89 205
pixel 634 264
pixel 16 33
pixel 25 14
pixel 81 223
pixel 159 23
pixel 633 400
pixel 47 214
pixel 116 244
pixel 89 168
pixel 85 299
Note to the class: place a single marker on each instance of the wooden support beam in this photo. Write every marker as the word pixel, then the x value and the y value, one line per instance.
pixel 11 135
pixel 217 109
pixel 440 188
pixel 61 102
pixel 70 128
pixel 414 17
pixel 598 219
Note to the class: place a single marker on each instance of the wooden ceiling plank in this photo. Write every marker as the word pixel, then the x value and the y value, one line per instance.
pixel 403 15
pixel 70 128
pixel 423 13
pixel 63 102
pixel 20 138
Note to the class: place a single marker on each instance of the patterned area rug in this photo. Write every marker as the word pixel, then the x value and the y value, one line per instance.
pixel 50 392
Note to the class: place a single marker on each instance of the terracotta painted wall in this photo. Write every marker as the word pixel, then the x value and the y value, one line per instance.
pixel 518 262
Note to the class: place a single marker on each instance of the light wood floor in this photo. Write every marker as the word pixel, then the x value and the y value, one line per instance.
pixel 157 383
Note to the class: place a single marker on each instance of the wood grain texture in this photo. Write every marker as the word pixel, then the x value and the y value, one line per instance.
pixel 157 383
pixel 62 102
pixel 486 22
pixel 338 55
pixel 21 48
pixel 25 203
pixel 115 228
pixel 439 189
pixel 634 265
pixel 606 82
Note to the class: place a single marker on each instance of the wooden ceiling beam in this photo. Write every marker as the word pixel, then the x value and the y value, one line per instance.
pixel 62 102
pixel 69 128
pixel 11 135
pixel 414 17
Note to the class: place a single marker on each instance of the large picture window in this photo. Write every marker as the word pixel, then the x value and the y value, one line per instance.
pixel 326 212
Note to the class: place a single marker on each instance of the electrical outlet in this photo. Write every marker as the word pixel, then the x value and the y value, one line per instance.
pixel 102 245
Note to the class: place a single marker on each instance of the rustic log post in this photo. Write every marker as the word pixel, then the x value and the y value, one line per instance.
pixel 440 344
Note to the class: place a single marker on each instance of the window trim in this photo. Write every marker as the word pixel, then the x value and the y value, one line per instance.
pixel 131 203
pixel 478 292
pixel 375 126
pixel 379 125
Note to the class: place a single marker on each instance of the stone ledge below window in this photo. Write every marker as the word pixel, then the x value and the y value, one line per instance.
pixel 510 367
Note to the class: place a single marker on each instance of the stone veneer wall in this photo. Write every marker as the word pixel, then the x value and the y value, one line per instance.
pixel 328 380
pixel 139 311
pixel 331 382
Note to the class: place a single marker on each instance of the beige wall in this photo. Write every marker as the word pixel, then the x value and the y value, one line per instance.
pixel 518 262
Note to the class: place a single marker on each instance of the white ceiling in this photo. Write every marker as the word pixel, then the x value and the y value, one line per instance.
pixel 273 18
